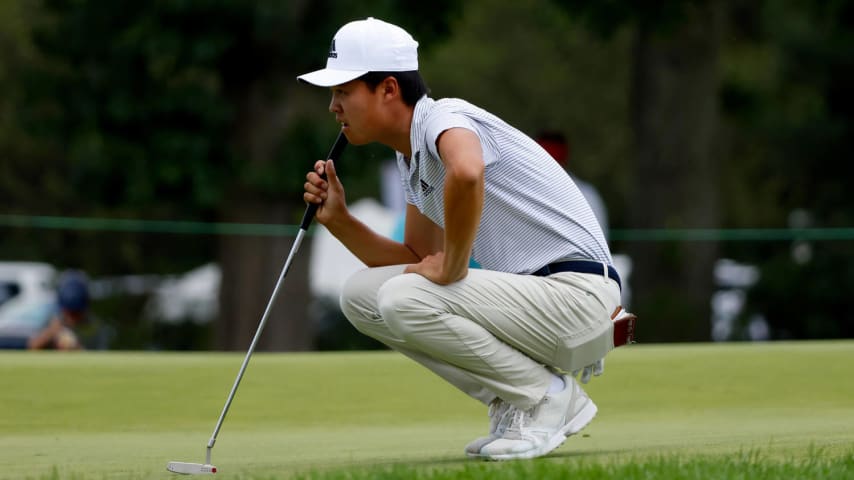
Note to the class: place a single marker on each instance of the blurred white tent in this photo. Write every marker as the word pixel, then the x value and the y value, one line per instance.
pixel 331 263
pixel 191 296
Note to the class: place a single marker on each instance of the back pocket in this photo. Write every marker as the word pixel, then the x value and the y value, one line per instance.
pixel 573 352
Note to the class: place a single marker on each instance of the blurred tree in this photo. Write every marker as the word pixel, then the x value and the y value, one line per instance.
pixel 792 121
pixel 788 115
pixel 636 91
pixel 279 118
pixel 675 125
pixel 676 182
pixel 545 71
pixel 784 69
pixel 191 110
pixel 29 181
pixel 16 51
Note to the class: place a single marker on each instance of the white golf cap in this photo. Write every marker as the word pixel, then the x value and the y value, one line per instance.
pixel 365 46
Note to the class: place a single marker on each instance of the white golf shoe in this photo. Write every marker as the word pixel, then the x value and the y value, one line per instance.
pixel 544 427
pixel 498 419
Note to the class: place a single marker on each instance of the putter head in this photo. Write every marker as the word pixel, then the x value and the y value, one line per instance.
pixel 191 468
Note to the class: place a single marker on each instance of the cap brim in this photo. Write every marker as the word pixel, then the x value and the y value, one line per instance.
pixel 329 78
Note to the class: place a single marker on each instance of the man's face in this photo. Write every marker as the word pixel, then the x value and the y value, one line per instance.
pixel 357 108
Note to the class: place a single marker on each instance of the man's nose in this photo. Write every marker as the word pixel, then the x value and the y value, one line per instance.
pixel 334 106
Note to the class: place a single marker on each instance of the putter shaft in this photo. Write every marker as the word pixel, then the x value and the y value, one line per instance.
pixel 311 209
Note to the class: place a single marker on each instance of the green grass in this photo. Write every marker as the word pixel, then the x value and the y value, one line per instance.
pixel 722 411
pixel 748 466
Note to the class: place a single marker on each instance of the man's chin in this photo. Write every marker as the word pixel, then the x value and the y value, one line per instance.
pixel 355 139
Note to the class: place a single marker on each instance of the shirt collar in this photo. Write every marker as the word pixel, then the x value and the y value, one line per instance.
pixel 419 114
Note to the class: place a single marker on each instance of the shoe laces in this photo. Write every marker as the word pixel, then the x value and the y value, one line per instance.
pixel 519 419
pixel 498 410
pixel 495 407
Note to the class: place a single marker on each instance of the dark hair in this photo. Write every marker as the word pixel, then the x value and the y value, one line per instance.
pixel 412 86
pixel 551 136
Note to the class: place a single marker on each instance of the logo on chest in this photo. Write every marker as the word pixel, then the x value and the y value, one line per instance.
pixel 426 188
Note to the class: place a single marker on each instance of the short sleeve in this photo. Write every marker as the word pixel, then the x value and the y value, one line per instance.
pixel 445 121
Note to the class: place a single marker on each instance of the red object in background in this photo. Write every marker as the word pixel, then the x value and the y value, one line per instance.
pixel 556 144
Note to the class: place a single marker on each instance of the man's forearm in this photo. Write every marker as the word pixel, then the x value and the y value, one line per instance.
pixel 463 206
pixel 373 249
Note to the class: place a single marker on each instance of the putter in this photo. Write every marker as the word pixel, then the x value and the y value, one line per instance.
pixel 206 468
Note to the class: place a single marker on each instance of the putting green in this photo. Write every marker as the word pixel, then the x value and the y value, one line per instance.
pixel 125 415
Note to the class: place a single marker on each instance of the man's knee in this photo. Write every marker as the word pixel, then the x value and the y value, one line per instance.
pixel 406 306
pixel 358 299
pixel 355 301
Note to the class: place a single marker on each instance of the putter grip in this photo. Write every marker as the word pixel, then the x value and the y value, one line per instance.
pixel 334 154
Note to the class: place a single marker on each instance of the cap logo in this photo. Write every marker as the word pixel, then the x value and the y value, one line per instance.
pixel 332 53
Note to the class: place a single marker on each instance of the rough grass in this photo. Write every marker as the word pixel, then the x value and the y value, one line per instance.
pixel 748 466
pixel 728 411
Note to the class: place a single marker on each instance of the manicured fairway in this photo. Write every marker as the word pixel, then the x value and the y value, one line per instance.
pixel 377 414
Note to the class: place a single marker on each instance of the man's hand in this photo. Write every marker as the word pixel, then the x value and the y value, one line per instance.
pixel 65 339
pixel 328 192
pixel 432 267
pixel 48 335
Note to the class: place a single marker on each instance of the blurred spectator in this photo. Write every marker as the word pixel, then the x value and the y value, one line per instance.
pixel 71 311
pixel 558 147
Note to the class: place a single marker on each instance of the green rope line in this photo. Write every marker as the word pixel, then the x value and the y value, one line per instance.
pixel 732 234
pixel 147 226
pixel 273 230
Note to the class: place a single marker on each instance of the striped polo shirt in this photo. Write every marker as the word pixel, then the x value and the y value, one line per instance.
pixel 533 213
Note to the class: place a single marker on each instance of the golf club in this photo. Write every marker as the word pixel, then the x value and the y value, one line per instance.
pixel 310 211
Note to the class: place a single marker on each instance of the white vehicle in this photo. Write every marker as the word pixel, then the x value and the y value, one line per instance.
pixel 26 280
pixel 27 300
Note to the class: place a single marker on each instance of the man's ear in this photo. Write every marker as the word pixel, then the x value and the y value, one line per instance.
pixel 390 87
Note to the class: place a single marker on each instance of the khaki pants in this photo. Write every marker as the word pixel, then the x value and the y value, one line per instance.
pixel 492 333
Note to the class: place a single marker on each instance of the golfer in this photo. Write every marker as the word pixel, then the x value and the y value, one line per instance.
pixel 542 306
